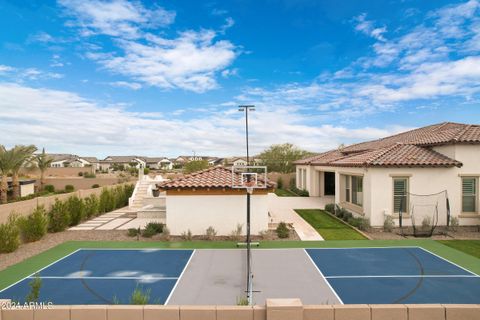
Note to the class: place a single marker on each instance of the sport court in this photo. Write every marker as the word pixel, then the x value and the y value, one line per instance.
pixel 218 276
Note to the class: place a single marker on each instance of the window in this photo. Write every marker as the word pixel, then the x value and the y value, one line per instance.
pixel 469 194
pixel 357 190
pixel 347 188
pixel 354 190
pixel 400 195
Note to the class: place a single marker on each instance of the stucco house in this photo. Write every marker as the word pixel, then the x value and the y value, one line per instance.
pixel 373 178
pixel 206 198
pixel 125 161
pixel 159 163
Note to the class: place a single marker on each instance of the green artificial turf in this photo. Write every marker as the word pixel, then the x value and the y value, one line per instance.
pixel 285 193
pixel 471 247
pixel 29 266
pixel 327 226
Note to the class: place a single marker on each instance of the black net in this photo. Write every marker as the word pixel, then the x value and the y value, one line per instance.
pixel 420 214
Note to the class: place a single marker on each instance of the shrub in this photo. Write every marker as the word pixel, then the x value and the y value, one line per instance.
pixel 140 297
pixel 148 233
pixel 166 233
pixel 69 188
pixel 95 186
pixel 292 184
pixel 91 206
pixel 35 286
pixel 187 235
pixel 330 208
pixel 146 170
pixel 264 234
pixel 303 193
pixel 89 175
pixel 280 183
pixel 282 230
pixel 58 217
pixel 237 232
pixel 388 223
pixel 347 215
pixel 9 235
pixel 210 233
pixel 80 174
pixel 76 208
pixel 454 223
pixel 152 229
pixel 242 301
pixel 33 227
pixel 107 201
pixel 49 188
pixel 133 232
pixel 359 223
pixel 120 198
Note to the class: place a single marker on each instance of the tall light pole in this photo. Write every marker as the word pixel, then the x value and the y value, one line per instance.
pixel 246 109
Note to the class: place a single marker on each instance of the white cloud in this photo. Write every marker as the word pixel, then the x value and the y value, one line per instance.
pixel 66 122
pixel 188 62
pixel 368 27
pixel 229 72
pixel 5 69
pixel 124 84
pixel 118 18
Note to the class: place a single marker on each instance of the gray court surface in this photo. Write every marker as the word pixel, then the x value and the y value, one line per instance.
pixel 218 277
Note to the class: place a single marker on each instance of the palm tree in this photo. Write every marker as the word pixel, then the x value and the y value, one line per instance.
pixel 6 164
pixel 43 162
pixel 21 156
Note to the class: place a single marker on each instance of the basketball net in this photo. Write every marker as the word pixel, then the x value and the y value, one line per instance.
pixel 249 186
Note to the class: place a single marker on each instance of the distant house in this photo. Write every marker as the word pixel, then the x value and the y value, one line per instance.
pixel 72 161
pixel 182 160
pixel 214 161
pixel 206 199
pixel 374 179
pixel 241 161
pixel 126 161
pixel 159 163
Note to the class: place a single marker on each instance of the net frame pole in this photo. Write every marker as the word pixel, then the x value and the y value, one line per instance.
pixel 249 288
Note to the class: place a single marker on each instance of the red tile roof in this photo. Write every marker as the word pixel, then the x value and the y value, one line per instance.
pixel 410 148
pixel 212 178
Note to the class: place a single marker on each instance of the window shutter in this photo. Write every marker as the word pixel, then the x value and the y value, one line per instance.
pixel 469 194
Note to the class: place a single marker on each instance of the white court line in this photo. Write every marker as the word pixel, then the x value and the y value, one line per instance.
pixel 436 255
pixel 178 280
pixel 30 275
pixel 402 276
pixel 110 278
pixel 321 274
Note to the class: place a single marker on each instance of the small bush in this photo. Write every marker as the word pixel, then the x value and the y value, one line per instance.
pixel 133 232
pixel 91 206
pixel 264 234
pixel 166 234
pixel 106 201
pixel 347 215
pixel 49 188
pixel 69 188
pixel 359 223
pixel 330 208
pixel 237 232
pixel 210 233
pixel 388 223
pixel 242 301
pixel 146 170
pixel 35 286
pixel 282 230
pixel 58 217
pixel 80 174
pixel 156 226
pixel 95 186
pixel 89 175
pixel 454 223
pixel 140 297
pixel 280 183
pixel 76 208
pixel 33 227
pixel 292 184
pixel 9 235
pixel 187 235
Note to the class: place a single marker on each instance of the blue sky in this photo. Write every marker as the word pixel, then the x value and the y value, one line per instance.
pixel 103 77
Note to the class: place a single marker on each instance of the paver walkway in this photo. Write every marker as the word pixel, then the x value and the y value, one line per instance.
pixel 282 209
pixel 121 219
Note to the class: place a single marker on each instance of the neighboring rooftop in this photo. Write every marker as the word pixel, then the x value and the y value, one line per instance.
pixel 406 149
pixel 212 178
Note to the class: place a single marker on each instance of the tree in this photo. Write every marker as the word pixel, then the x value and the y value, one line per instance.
pixel 21 156
pixel 196 165
pixel 280 157
pixel 43 162
pixel 6 164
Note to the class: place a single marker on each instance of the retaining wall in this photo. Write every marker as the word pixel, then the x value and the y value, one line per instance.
pixel 275 309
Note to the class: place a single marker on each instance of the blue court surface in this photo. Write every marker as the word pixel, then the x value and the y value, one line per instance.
pixel 106 276
pixel 395 275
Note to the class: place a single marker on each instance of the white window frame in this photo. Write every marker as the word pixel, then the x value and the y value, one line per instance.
pixel 407 190
pixel 475 194
pixel 348 190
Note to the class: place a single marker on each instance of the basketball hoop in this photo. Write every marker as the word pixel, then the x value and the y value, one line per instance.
pixel 250 185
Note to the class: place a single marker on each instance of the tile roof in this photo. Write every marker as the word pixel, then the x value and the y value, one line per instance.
pixel 410 148
pixel 212 178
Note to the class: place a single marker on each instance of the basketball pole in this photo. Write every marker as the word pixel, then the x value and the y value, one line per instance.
pixel 246 108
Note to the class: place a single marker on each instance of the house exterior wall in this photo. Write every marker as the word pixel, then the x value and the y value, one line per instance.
pixel 378 184
pixel 223 212
pixel 27 189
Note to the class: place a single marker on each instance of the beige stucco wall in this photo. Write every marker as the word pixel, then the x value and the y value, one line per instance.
pixel 27 189
pixel 223 212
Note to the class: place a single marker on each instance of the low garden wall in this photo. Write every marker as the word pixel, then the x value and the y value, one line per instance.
pixel 78 183
pixel 275 309
pixel 26 207
pixel 58 172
